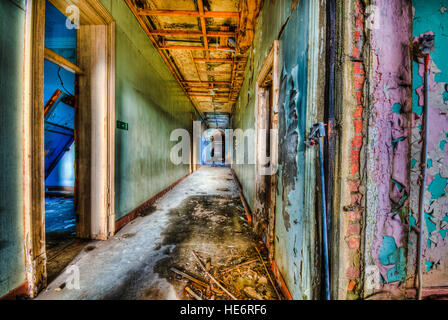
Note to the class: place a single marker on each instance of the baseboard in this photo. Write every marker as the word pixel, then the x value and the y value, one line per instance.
pixel 243 199
pixel 280 281
pixel 21 290
pixel 120 223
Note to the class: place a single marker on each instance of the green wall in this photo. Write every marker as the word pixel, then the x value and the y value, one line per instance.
pixel 270 22
pixel 147 97
pixel 12 259
pixel 150 100
pixel 293 226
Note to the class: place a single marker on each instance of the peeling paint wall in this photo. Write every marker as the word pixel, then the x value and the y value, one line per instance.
pixel 388 187
pixel 150 100
pixel 388 145
pixel 12 256
pixel 270 22
pixel 431 16
pixel 289 22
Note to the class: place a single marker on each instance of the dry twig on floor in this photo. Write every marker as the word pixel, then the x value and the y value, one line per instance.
pixel 267 273
pixel 239 265
pixel 192 293
pixel 211 277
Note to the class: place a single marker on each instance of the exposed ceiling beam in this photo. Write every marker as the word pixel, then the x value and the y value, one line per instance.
pixel 204 28
pixel 208 92
pixel 162 53
pixel 192 33
pixel 186 13
pixel 196 48
pixel 216 73
pixel 195 66
pixel 207 87
pixel 208 95
pixel 206 82
pixel 213 60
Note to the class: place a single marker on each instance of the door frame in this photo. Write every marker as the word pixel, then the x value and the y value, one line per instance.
pixel 262 117
pixel 95 222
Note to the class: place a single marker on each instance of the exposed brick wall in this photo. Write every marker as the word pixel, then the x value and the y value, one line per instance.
pixel 354 211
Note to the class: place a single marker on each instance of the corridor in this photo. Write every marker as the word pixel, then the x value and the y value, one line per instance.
pixel 223 150
pixel 202 214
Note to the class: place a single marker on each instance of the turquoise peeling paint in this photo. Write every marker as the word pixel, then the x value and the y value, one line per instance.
pixel 443 233
pixel 398 185
pixel 390 255
pixel 430 16
pixel 430 225
pixel 292 250
pixel 412 222
pixel 396 108
pixel 437 186
pixel 413 163
pixel 445 96
pixel 428 265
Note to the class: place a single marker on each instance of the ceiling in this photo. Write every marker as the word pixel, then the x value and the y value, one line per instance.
pixel 205 44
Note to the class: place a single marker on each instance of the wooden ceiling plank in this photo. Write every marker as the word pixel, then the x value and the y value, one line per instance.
pixel 188 13
pixel 211 60
pixel 208 95
pixel 191 33
pixel 195 66
pixel 207 87
pixel 162 53
pixel 176 47
pixel 208 82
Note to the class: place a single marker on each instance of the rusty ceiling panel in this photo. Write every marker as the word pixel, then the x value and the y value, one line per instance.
pixel 196 39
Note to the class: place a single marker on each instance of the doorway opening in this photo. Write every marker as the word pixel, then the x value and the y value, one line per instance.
pixel 70 133
pixel 59 140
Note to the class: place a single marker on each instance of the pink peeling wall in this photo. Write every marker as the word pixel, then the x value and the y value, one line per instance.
pixel 387 201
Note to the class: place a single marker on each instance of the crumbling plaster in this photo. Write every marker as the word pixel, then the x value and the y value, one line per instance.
pixel 388 147
pixel 295 247
pixel 430 17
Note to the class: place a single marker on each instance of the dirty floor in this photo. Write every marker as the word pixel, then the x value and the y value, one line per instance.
pixel 159 255
pixel 60 228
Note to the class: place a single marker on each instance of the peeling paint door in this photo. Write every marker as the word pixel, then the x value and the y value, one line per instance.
pixel 431 16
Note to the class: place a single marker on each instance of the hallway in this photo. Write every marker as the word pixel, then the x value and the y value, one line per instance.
pixel 223 149
pixel 202 214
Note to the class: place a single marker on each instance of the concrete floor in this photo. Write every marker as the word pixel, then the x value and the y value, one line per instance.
pixel 202 214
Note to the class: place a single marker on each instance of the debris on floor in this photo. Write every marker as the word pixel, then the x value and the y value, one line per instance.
pixel 241 280
pixel 197 244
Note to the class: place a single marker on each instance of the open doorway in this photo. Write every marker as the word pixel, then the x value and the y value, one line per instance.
pixel 59 135
pixel 70 132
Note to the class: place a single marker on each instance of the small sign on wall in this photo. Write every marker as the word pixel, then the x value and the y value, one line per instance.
pixel 122 125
